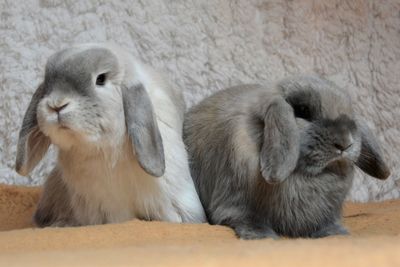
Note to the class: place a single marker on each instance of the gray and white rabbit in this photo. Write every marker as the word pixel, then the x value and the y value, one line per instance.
pixel 118 129
pixel 279 160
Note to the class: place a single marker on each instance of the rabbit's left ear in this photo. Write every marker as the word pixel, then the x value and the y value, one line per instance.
pixel 32 143
pixel 280 149
pixel 370 159
pixel 143 130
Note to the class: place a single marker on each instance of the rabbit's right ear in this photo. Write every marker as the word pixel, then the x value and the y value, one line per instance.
pixel 143 130
pixel 280 148
pixel 371 159
pixel 32 143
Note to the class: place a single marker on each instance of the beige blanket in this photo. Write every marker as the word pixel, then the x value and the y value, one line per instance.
pixel 375 241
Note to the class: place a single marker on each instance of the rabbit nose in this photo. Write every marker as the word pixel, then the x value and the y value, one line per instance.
pixel 342 147
pixel 58 108
pixel 344 144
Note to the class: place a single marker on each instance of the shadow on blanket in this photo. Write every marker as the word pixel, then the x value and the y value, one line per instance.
pixel 375 241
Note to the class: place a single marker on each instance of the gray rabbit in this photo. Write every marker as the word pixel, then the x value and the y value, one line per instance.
pixel 278 160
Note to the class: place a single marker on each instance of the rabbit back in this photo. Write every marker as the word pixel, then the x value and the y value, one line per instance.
pixel 218 123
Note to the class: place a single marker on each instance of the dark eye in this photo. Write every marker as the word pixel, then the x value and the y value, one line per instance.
pixel 302 111
pixel 101 79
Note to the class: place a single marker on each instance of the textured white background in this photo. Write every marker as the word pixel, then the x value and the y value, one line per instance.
pixel 205 45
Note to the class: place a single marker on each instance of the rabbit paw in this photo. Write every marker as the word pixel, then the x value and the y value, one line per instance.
pixel 249 232
pixel 332 229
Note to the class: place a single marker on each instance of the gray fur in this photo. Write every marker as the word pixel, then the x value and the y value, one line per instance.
pixel 232 135
pixel 54 206
pixel 32 143
pixel 280 148
pixel 73 74
pixel 371 161
pixel 143 130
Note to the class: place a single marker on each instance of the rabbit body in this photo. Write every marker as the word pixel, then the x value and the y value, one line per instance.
pixel 98 193
pixel 119 139
pixel 265 167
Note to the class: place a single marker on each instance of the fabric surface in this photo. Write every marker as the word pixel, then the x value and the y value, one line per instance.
pixel 204 46
pixel 375 241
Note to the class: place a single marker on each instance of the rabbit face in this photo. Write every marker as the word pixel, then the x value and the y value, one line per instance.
pixel 93 100
pixel 82 102
pixel 328 130
pixel 327 141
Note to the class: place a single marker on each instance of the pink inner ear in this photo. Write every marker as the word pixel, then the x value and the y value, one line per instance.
pixel 31 151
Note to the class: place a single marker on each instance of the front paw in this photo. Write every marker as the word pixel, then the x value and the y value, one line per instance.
pixel 42 219
pixel 248 232
pixel 333 229
pixel 63 223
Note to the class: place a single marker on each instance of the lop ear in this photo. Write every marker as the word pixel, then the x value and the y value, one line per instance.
pixel 32 143
pixel 370 159
pixel 143 130
pixel 280 148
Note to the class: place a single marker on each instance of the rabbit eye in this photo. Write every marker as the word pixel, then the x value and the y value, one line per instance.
pixel 101 79
pixel 302 111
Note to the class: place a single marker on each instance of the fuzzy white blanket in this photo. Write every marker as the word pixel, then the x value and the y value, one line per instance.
pixel 204 46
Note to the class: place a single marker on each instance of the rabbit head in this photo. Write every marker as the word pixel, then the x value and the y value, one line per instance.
pixel 92 97
pixel 329 134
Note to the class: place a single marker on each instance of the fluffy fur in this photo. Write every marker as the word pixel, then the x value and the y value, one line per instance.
pixel 114 134
pixel 205 46
pixel 279 160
